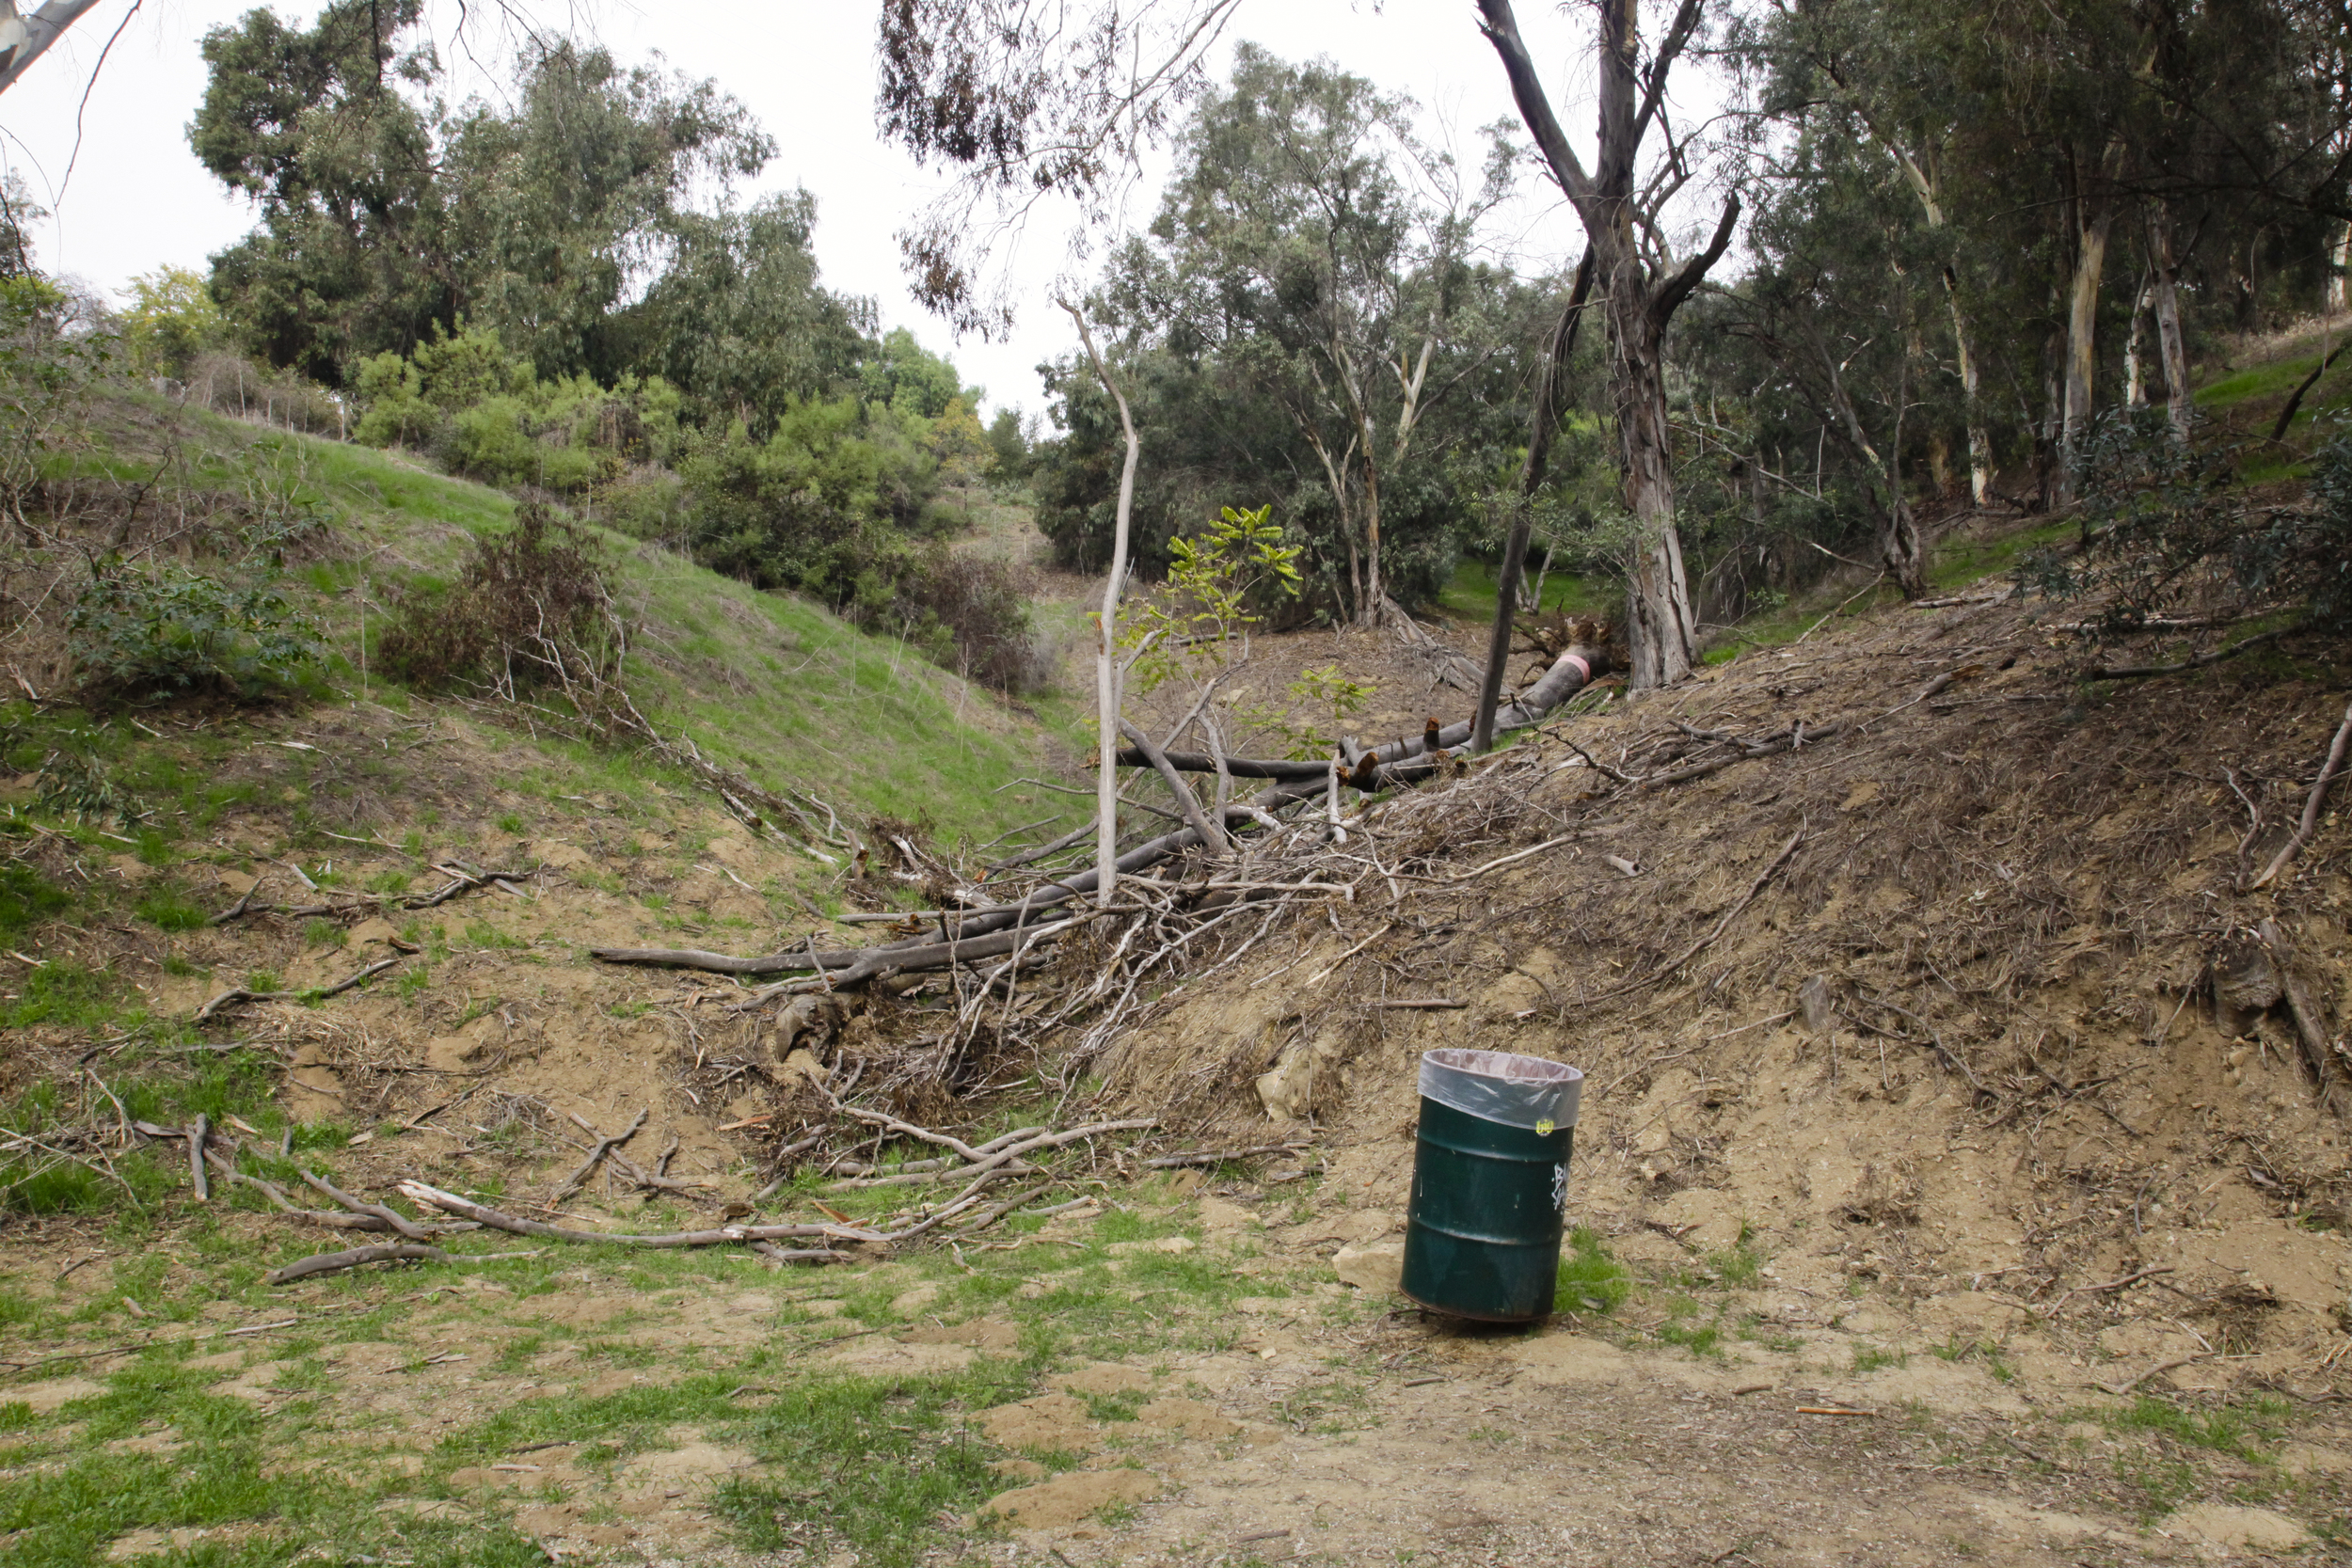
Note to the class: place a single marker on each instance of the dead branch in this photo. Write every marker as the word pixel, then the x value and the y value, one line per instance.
pixel 235 998
pixel 595 1156
pixel 2140 672
pixel 331 1262
pixel 1935 1042
pixel 2310 1030
pixel 1211 833
pixel 196 1134
pixel 450 1203
pixel 391 1217
pixel 775 1254
pixel 1218 1156
pixel 1720 927
pixel 2120 1389
pixel 2312 803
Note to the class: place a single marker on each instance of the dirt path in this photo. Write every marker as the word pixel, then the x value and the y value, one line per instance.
pixel 1180 1379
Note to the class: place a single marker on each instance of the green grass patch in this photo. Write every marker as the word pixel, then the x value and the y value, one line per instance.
pixel 875 1464
pixel 1589 1280
pixel 1471 594
pixel 2244 1429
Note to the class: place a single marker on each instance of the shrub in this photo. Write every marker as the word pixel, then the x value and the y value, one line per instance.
pixel 525 597
pixel 976 616
pixel 487 415
pixel 171 632
pixel 820 505
pixel 2167 530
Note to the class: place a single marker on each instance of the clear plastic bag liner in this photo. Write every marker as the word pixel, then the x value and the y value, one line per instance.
pixel 1497 1086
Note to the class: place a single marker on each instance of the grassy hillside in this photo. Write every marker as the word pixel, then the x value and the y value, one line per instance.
pixel 771 684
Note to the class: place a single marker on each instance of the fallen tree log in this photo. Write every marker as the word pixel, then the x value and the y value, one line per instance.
pixel 450 1203
pixel 1241 768
pixel 990 932
pixel 1569 673
pixel 857 964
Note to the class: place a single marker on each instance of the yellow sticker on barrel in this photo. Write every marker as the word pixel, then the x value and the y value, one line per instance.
pixel 1543 1127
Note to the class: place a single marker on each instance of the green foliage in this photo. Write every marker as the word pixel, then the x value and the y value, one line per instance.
pixel 1306 237
pixel 1215 580
pixel 168 631
pixel 824 503
pixel 2166 530
pixel 909 381
pixel 172 910
pixel 487 415
pixel 973 616
pixel 1333 698
pixel 384 211
pixel 50 362
pixel 171 319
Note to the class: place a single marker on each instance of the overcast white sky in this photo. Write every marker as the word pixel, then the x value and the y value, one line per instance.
pixel 138 199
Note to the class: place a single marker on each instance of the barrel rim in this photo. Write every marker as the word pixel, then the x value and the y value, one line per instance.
pixel 1505 1067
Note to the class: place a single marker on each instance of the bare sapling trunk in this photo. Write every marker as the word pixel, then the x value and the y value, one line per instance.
pixel 1899 548
pixel 1106 659
pixel 2165 300
pixel 2134 367
pixel 1542 416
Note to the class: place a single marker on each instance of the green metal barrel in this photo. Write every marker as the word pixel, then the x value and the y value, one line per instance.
pixel 1490 1177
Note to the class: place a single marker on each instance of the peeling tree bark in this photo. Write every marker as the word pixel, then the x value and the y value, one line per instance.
pixel 2166 300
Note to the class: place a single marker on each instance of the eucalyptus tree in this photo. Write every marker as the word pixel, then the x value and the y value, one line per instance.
pixel 1315 247
pixel 1027 98
pixel 1642 280
pixel 1885 68
pixel 1829 338
pixel 384 215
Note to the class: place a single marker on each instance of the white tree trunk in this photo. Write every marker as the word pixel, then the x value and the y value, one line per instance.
pixel 2340 263
pixel 2135 381
pixel 22 40
pixel 2082 333
pixel 1106 660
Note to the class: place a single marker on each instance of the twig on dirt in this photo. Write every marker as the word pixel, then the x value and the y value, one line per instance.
pixel 392 1217
pixel 330 1262
pixel 450 1203
pixel 1661 971
pixel 2111 1286
pixel 1592 762
pixel 595 1156
pixel 2139 671
pixel 232 998
pixel 1523 854
pixel 2120 1389
pixel 2312 803
pixel 1218 1156
pixel 1935 1042
pixel 2311 1031
pixel 198 1132
pixel 1420 1003
pixel 775 1254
